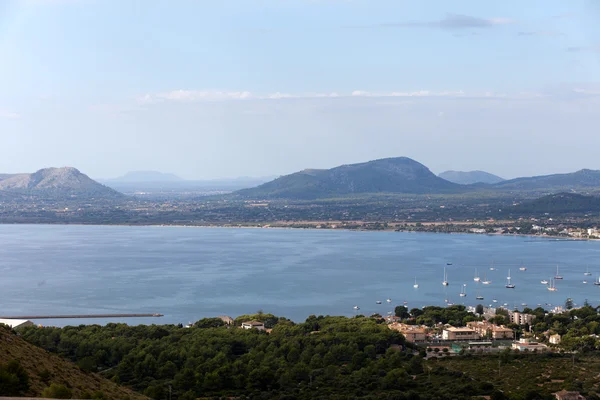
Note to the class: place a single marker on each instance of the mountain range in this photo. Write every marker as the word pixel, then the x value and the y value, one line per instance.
pixel 54 183
pixel 406 176
pixel 400 175
pixel 470 177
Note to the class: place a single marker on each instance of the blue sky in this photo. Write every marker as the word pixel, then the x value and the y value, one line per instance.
pixel 231 88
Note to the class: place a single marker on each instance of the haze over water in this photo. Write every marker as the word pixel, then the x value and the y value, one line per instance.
pixel 191 273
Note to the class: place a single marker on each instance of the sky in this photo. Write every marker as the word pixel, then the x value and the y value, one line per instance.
pixel 229 88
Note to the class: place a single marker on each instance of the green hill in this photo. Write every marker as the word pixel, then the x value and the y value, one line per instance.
pixel 583 179
pixel 388 175
pixel 560 203
pixel 43 369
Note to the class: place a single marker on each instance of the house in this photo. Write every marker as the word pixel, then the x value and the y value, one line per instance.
pixel 453 333
pixel 528 344
pixel 555 339
pixel 253 325
pixel 502 332
pixel 412 333
pixel 490 330
pixel 564 395
pixel 16 323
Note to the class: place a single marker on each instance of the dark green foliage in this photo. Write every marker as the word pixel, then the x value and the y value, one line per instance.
pixel 56 391
pixel 325 357
pixel 209 323
pixel 14 380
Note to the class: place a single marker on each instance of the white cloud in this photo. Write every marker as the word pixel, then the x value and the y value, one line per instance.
pixel 8 114
pixel 191 96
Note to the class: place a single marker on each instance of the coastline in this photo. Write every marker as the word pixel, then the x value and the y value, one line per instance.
pixel 316 228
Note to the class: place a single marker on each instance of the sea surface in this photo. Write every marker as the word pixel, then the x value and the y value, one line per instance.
pixel 190 273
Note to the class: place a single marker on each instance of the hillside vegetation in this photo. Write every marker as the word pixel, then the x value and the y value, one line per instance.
pixel 388 175
pixel 44 370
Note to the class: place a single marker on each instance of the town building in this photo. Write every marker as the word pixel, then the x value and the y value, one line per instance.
pixel 528 344
pixel 412 333
pixel 16 323
pixel 253 325
pixel 489 330
pixel 555 339
pixel 453 333
pixel 520 318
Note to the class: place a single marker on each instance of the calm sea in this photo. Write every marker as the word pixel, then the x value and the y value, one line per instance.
pixel 190 273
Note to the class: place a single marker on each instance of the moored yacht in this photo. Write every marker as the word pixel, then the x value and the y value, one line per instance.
pixel 463 290
pixel 509 285
pixel 416 285
pixel 445 281
pixel 476 278
pixel 557 276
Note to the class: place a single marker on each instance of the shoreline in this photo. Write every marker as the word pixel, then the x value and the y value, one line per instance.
pixel 346 229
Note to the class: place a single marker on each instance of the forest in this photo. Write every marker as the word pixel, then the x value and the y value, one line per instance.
pixel 324 357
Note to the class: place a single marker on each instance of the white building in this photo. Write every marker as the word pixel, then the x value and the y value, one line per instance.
pixel 253 325
pixel 520 318
pixel 16 323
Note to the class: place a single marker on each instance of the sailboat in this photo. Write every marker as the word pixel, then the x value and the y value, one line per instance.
pixel 557 276
pixel 479 296
pixel 544 281
pixel 485 281
pixel 416 285
pixel 445 281
pixel 492 267
pixel 597 283
pixel 552 288
pixel 587 272
pixel 522 267
pixel 477 278
pixel 509 285
pixel 463 291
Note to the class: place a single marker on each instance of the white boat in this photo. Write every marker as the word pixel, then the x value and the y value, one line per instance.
pixel 509 285
pixel 485 281
pixel 523 268
pixel 389 300
pixel 494 301
pixel 557 276
pixel 477 278
pixel 585 281
pixel 587 272
pixel 552 288
pixel 356 307
pixel 445 281
pixel 597 283
pixel 378 302
pixel 544 282
pixel 492 268
pixel 416 285
pixel 463 291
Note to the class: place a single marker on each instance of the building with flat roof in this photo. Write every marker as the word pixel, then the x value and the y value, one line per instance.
pixel 520 318
pixel 528 344
pixel 453 333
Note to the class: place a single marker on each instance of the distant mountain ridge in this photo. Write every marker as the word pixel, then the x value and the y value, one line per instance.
pixel 585 178
pixel 388 175
pixel 470 177
pixel 56 182
pixel 145 176
pixel 402 175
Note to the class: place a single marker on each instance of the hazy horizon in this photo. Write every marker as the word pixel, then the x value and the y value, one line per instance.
pixel 221 90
